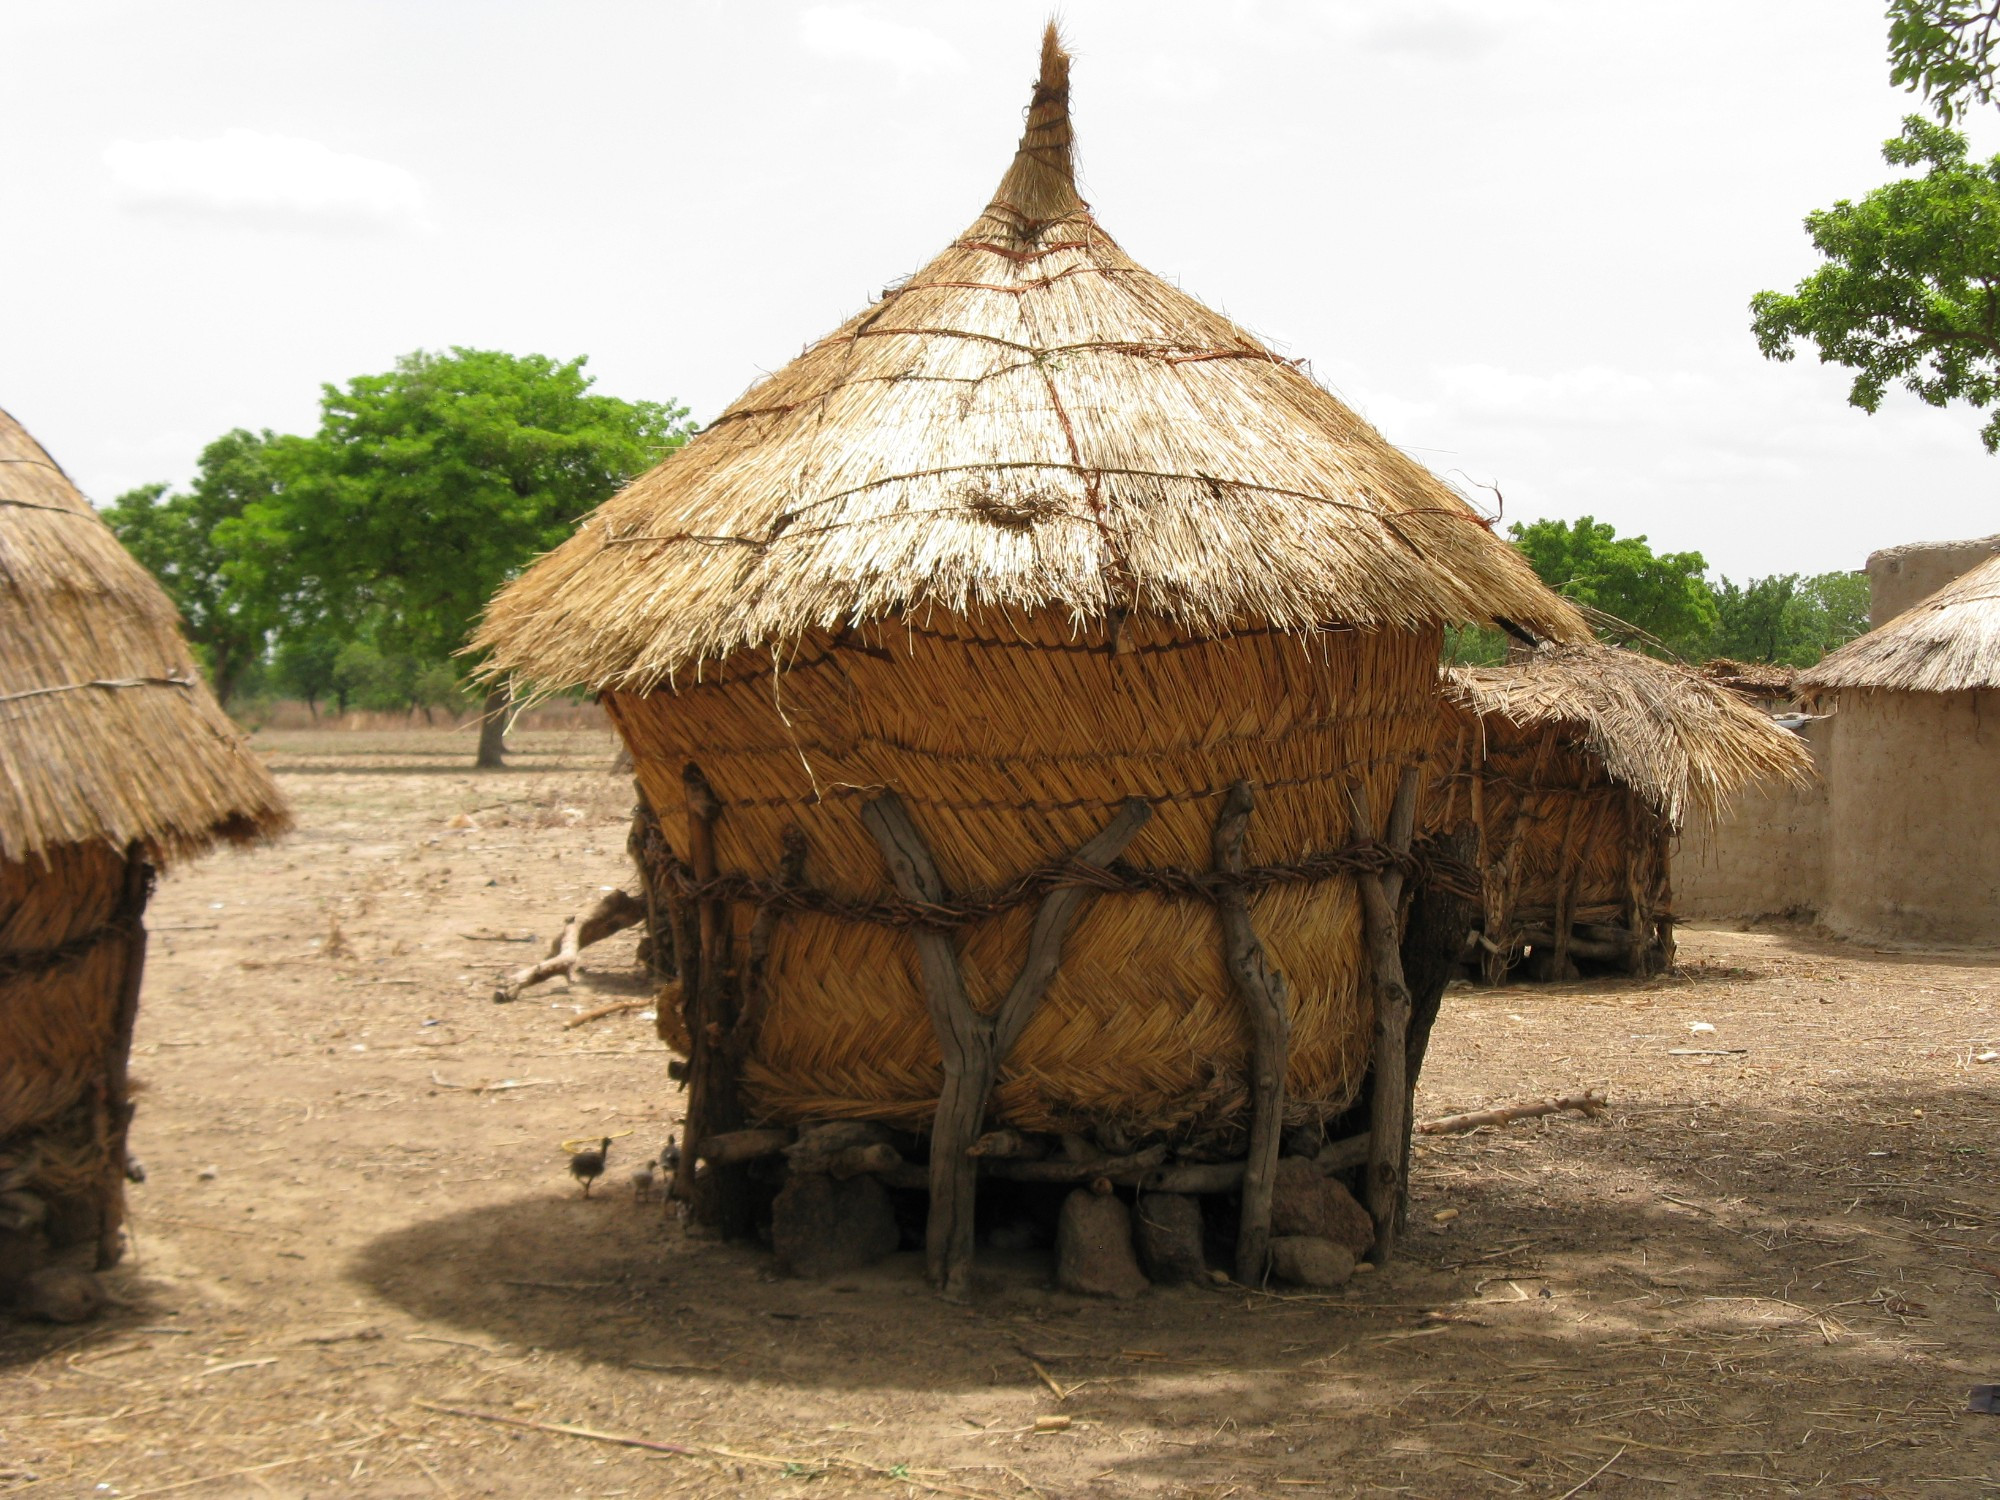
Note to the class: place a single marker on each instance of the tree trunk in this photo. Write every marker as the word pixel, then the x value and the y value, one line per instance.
pixel 493 729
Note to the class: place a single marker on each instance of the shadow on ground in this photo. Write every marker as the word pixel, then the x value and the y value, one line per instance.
pixel 1600 1245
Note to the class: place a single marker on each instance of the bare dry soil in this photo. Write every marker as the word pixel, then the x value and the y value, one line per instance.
pixel 359 1266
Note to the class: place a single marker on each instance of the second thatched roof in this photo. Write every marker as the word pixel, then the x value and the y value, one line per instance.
pixel 108 734
pixel 1950 643
pixel 1684 744
pixel 1032 421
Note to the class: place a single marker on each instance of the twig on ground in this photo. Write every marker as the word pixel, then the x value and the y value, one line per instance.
pixel 1592 1475
pixel 487 1088
pixel 604 1010
pixel 1589 1102
pixel 276 1463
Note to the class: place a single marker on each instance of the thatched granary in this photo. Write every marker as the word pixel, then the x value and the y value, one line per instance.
pixel 1579 765
pixel 117 762
pixel 1913 780
pixel 998 672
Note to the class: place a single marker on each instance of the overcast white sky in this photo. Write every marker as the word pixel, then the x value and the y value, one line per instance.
pixel 1520 235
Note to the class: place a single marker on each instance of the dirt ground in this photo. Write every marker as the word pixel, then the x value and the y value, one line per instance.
pixel 1770 1268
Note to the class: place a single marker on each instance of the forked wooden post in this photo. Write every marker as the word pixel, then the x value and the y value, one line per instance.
pixel 1389 1100
pixel 1263 993
pixel 973 1045
pixel 721 1197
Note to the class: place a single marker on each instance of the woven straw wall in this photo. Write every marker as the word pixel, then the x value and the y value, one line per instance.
pixel 1539 779
pixel 57 1019
pixel 1012 739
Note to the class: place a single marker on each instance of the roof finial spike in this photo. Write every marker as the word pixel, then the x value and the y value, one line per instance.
pixel 1042 181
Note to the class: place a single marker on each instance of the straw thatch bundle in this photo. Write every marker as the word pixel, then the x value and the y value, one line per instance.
pixel 1950 643
pixel 117 760
pixel 1579 765
pixel 1031 563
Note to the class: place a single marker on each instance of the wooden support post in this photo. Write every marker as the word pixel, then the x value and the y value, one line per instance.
pixel 639 841
pixel 974 1046
pixel 1389 1099
pixel 1638 916
pixel 1263 992
pixel 1559 965
pixel 118 1056
pixel 721 1196
pixel 1663 897
pixel 1435 925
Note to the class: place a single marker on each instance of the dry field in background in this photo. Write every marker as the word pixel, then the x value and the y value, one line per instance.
pixel 1771 1271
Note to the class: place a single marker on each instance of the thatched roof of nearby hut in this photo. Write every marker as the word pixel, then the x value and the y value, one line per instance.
pixel 1950 643
pixel 107 732
pixel 1682 743
pixel 1758 679
pixel 1031 421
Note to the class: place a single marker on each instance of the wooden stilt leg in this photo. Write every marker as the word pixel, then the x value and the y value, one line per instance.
pixel 1389 1101
pixel 721 1196
pixel 118 1055
pixel 1264 995
pixel 973 1046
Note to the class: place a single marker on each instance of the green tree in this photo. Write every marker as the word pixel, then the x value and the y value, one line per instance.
pixel 303 664
pixel 180 539
pixel 427 487
pixel 1640 597
pixel 1910 293
pixel 1787 618
pixel 1945 51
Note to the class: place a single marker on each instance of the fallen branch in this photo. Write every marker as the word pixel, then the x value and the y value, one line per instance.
pixel 604 1010
pixel 613 911
pixel 1588 1103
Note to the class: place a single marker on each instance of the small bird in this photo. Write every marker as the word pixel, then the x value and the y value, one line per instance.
pixel 670 1156
pixel 587 1166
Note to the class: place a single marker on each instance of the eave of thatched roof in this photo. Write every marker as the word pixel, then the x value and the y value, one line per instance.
pixel 107 732
pixel 1686 745
pixel 1031 421
pixel 1949 643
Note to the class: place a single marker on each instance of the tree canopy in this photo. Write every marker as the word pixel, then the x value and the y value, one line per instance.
pixel 1665 604
pixel 350 564
pixel 1661 597
pixel 1945 51
pixel 1787 618
pixel 1910 292
pixel 180 538
pixel 427 487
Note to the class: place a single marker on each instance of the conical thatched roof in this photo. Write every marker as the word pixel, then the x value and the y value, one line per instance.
pixel 107 732
pixel 1950 643
pixel 1684 744
pixel 1032 420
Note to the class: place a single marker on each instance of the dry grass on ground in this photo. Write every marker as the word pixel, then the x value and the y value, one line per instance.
pixel 1770 1271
